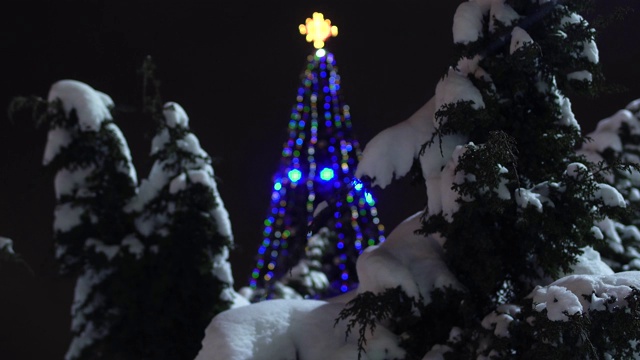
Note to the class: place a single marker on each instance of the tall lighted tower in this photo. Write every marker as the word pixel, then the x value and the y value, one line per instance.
pixel 316 177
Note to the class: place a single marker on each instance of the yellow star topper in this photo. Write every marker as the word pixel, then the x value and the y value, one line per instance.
pixel 318 29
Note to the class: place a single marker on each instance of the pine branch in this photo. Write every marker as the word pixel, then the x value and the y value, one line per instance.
pixel 367 310
pixel 151 99
pixel 37 105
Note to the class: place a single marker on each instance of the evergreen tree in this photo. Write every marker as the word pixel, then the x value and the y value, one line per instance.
pixel 182 221
pixel 94 180
pixel 615 142
pixel 151 261
pixel 513 204
pixel 314 188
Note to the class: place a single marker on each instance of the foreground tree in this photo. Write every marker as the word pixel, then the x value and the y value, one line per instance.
pixel 616 140
pixel 511 202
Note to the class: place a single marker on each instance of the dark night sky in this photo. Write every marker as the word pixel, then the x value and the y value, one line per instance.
pixel 234 67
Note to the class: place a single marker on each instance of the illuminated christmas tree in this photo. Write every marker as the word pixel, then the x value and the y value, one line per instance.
pixel 320 218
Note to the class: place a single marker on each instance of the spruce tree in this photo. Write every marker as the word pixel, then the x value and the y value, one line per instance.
pixel 185 227
pixel 615 147
pixel 512 202
pixel 151 261
pixel 94 180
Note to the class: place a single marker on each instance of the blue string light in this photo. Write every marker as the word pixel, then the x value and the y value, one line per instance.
pixel 317 164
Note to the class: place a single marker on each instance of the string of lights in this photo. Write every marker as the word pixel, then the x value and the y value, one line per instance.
pixel 317 166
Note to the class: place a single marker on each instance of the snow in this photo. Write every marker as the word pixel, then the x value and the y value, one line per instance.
pixel 134 245
pixel 290 329
pixel 526 197
pixel 557 301
pixel 384 158
pixel 606 133
pixel 579 293
pixel 454 87
pixel 67 216
pixel 440 195
pixel 92 107
pixel 609 195
pixel 503 13
pixel 191 144
pixel 6 244
pixel 577 170
pixel 304 329
pixel 179 183
pixel 405 259
pixel 633 106
pixel 82 308
pixel 160 141
pixel 468 19
pixel 110 251
pixel 498 322
pixel 57 138
pixel 590 49
pixel 150 186
pixel 307 276
pixel 590 263
pixel 72 182
pixel 519 37
pixel 567 116
pixel 580 75
pixel 175 115
pixel 467 22
pixel 128 167
pixel 609 227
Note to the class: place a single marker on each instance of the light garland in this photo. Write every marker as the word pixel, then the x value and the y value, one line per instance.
pixel 318 162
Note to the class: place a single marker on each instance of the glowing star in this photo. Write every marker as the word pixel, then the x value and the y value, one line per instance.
pixel 318 29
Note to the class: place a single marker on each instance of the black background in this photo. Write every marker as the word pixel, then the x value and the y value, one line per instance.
pixel 234 67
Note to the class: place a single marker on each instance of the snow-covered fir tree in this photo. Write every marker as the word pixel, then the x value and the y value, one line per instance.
pixel 94 180
pixel 512 203
pixel 185 227
pixel 616 140
pixel 502 264
pixel 151 261
pixel 307 277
